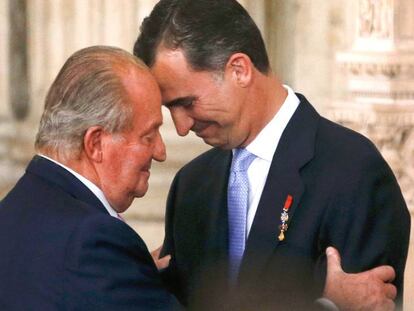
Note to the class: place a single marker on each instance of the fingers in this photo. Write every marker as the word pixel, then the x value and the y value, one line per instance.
pixel 333 260
pixel 384 273
pixel 390 291
pixel 369 290
pixel 389 305
pixel 163 262
pixel 156 253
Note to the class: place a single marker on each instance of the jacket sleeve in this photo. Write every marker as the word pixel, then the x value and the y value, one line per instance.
pixel 170 275
pixel 368 220
pixel 108 267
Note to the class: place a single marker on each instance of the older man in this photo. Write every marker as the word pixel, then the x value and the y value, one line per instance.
pixel 63 244
pixel 280 185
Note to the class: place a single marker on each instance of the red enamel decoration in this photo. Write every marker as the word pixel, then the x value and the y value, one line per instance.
pixel 288 202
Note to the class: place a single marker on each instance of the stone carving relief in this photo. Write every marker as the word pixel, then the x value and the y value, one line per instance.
pixel 393 70
pixel 376 18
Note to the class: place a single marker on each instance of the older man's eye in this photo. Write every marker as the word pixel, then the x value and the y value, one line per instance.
pixel 148 138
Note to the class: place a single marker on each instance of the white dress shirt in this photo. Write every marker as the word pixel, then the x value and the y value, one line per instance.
pixel 264 147
pixel 90 185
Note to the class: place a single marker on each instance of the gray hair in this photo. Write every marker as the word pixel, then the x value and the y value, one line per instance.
pixel 87 92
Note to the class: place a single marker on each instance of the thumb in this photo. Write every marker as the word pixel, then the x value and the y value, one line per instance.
pixel 333 261
pixel 163 262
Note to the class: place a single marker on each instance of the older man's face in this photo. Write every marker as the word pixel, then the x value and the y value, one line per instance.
pixel 128 156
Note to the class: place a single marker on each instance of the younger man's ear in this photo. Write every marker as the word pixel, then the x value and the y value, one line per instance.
pixel 93 143
pixel 240 67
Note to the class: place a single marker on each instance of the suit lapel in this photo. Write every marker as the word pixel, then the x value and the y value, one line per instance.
pixel 295 149
pixel 62 178
pixel 216 206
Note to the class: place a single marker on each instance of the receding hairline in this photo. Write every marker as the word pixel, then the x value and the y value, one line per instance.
pixel 121 63
pixel 114 54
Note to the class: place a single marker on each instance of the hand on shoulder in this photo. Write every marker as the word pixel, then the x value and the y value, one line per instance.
pixel 369 290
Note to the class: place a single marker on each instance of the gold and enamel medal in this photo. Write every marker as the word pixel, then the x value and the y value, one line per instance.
pixel 284 217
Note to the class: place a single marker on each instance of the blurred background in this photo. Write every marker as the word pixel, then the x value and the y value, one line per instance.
pixel 354 61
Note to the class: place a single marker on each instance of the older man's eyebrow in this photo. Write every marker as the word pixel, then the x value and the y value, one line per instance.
pixel 182 101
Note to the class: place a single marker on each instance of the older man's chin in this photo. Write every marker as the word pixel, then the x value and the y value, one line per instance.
pixel 143 189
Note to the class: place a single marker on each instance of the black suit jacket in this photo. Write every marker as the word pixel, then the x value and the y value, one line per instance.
pixel 61 250
pixel 344 195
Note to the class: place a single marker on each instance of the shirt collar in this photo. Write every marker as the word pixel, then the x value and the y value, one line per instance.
pixel 90 185
pixel 266 142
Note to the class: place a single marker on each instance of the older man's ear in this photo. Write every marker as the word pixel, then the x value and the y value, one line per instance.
pixel 93 143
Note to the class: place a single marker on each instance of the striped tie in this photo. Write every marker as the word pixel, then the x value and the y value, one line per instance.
pixel 237 202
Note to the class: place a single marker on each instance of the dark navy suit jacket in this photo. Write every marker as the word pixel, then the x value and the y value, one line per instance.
pixel 344 195
pixel 61 250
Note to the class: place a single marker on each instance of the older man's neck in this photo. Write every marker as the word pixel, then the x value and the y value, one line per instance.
pixel 80 163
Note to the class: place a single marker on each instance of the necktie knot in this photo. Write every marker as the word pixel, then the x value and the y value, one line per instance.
pixel 241 160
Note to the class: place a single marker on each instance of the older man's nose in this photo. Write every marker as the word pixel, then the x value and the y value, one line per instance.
pixel 159 151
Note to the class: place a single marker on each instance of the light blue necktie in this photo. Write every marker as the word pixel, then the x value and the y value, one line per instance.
pixel 237 202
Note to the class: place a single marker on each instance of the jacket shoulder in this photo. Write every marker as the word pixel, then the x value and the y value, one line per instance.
pixel 207 160
pixel 336 141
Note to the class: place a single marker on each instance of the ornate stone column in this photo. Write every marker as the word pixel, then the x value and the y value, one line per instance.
pixel 380 92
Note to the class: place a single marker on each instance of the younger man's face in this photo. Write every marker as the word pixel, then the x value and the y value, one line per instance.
pixel 207 103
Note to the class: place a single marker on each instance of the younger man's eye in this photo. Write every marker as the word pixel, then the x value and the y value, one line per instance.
pixel 187 102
